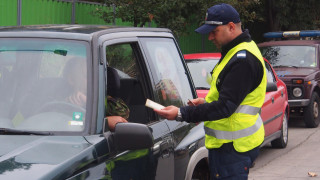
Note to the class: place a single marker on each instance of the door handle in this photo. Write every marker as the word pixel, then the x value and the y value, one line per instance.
pixel 165 148
pixel 272 100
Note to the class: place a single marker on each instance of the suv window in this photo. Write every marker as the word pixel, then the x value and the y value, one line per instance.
pixel 171 82
pixel 298 56
pixel 123 58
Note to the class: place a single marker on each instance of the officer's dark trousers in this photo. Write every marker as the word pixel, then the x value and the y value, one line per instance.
pixel 228 164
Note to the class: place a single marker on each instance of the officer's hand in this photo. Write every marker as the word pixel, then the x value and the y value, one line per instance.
pixel 113 120
pixel 169 112
pixel 195 102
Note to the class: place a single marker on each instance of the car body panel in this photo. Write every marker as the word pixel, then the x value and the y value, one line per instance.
pixel 275 106
pixel 18 157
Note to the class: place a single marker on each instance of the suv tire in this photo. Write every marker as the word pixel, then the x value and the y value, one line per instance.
pixel 282 141
pixel 311 112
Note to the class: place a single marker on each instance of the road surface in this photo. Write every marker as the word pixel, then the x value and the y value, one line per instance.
pixel 300 157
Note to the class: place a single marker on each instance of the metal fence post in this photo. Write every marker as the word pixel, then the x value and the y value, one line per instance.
pixel 73 15
pixel 18 12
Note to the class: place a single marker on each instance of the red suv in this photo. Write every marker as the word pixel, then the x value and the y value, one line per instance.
pixel 294 55
pixel 274 111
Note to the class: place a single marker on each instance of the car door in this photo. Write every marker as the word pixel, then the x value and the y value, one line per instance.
pixel 125 55
pixel 172 86
pixel 271 112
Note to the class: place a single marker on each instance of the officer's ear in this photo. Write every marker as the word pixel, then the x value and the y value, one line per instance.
pixel 231 26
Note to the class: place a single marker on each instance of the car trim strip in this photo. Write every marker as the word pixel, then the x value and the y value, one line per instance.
pixel 273 118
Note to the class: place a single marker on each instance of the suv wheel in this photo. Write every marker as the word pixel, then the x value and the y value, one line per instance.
pixel 311 112
pixel 282 141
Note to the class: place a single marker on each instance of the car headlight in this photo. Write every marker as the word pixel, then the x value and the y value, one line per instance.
pixel 297 92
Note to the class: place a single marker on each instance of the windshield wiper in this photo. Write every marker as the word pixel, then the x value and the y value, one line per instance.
pixel 202 88
pixel 9 131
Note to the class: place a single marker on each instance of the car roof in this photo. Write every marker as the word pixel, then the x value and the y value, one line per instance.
pixel 202 56
pixel 73 31
pixel 290 43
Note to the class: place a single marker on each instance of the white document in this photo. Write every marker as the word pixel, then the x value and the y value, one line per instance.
pixel 153 105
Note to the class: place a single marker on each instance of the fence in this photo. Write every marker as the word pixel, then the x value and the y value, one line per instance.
pixel 31 12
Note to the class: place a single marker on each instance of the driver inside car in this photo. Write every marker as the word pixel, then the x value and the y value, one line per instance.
pixel 75 73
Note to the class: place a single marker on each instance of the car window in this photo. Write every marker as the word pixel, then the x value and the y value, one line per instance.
pixel 269 72
pixel 124 59
pixel 297 56
pixel 172 85
pixel 199 69
pixel 44 85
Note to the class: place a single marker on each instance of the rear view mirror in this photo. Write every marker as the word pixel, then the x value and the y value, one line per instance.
pixel 271 86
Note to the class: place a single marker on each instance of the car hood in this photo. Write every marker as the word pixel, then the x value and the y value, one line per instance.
pixel 42 157
pixel 293 72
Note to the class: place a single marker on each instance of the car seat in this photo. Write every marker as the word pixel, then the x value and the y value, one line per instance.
pixel 113 80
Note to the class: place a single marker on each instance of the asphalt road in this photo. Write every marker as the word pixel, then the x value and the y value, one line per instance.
pixel 301 156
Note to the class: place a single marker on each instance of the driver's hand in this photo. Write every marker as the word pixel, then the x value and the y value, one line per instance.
pixel 113 120
pixel 78 98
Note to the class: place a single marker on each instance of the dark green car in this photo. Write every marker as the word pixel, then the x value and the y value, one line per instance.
pixel 54 80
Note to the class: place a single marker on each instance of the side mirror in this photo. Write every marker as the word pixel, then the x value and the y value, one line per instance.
pixel 271 86
pixel 132 136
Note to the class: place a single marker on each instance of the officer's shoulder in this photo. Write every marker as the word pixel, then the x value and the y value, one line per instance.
pixel 241 54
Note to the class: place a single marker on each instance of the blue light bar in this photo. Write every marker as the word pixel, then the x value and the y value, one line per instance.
pixel 309 33
pixel 292 34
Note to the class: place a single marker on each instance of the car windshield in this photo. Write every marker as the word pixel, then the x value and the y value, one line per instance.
pixel 290 56
pixel 199 69
pixel 43 84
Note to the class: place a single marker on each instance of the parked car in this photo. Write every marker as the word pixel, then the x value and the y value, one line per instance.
pixel 294 55
pixel 275 109
pixel 45 135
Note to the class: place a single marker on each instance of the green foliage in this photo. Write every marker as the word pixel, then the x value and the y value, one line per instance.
pixel 172 14
pixel 121 57
pixel 258 16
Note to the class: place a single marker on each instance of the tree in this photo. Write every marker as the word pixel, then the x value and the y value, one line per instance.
pixel 172 14
pixel 286 15
pixel 259 16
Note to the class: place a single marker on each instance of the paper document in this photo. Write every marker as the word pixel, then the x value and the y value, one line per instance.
pixel 153 105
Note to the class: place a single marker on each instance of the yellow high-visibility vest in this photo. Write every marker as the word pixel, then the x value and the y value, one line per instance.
pixel 244 127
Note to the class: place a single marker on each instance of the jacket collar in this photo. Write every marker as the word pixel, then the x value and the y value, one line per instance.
pixel 243 37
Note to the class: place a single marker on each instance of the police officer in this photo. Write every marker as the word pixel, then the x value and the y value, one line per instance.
pixel 233 127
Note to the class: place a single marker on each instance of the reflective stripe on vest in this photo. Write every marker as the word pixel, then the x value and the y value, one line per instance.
pixel 245 109
pixel 232 135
